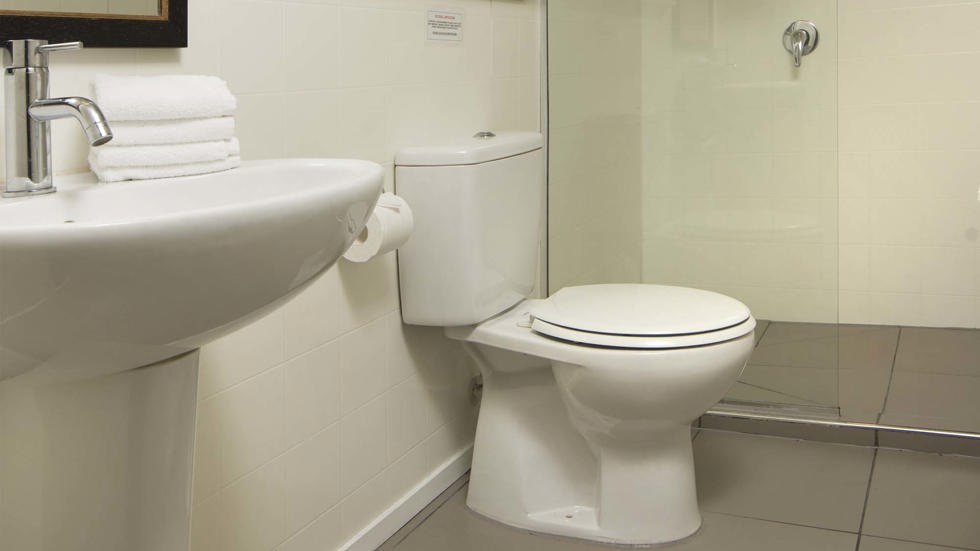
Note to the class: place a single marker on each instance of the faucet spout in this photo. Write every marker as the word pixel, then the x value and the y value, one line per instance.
pixel 84 110
pixel 28 112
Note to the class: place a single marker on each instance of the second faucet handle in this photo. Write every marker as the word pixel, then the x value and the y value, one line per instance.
pixel 46 48
pixel 32 52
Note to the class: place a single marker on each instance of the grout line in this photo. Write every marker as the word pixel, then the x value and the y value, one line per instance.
pixel 891 375
pixel 867 496
pixel 763 335
pixel 936 545
pixel 781 393
pixel 783 522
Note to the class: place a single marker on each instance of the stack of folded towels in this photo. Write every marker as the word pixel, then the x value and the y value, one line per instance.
pixel 165 126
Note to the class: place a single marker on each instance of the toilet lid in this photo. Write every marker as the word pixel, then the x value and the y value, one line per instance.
pixel 637 310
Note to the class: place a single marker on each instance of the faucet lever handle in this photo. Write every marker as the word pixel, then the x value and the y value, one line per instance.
pixel 61 46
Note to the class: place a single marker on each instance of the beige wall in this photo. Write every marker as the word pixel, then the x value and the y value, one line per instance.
pixel 739 169
pixel 910 155
pixel 317 418
pixel 594 125
pixel 845 190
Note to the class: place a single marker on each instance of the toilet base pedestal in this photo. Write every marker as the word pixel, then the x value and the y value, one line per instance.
pixel 646 493
pixel 533 470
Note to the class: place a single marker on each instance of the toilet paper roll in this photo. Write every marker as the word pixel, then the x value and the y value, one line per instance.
pixel 388 228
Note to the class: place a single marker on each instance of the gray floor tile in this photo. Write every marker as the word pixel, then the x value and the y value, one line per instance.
pixel 867 346
pixel 860 393
pixel 949 351
pixel 760 329
pixel 807 483
pixel 800 385
pixel 781 332
pixel 798 345
pixel 748 392
pixel 827 346
pixel 925 498
pixel 454 528
pixel 933 400
pixel 869 543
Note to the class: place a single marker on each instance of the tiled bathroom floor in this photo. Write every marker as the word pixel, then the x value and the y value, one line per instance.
pixel 906 376
pixel 760 493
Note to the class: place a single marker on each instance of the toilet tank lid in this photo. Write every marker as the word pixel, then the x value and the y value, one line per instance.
pixel 471 151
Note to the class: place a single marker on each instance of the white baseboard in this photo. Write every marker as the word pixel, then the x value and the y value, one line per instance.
pixel 396 516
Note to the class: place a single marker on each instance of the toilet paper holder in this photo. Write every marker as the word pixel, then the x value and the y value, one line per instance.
pixel 389 227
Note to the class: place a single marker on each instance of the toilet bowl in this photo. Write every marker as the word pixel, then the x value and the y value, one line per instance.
pixel 611 460
pixel 588 398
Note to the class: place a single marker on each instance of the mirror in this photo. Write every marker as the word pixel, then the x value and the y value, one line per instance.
pixel 97 23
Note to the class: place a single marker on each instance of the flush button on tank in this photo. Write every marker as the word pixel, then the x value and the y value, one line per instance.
pixel 485 135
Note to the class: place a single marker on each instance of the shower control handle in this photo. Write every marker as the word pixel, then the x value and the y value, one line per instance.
pixel 799 39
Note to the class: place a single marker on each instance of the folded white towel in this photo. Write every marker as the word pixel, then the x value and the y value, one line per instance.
pixel 169 154
pixel 170 132
pixel 139 98
pixel 118 174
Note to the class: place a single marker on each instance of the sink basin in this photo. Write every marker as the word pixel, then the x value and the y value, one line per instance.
pixel 101 278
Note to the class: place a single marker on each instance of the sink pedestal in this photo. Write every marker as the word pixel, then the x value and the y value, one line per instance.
pixel 99 464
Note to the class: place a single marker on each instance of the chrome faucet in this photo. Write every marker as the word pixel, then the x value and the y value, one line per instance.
pixel 29 112
pixel 800 39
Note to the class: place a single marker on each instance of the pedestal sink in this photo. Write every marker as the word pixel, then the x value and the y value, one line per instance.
pixel 98 280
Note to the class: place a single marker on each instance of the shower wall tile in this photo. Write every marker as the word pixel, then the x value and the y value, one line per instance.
pixel 737 142
pixel 739 156
pixel 910 109
pixel 314 389
pixel 595 222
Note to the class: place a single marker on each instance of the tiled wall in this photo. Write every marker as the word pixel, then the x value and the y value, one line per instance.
pixel 845 190
pixel 739 161
pixel 315 419
pixel 594 176
pixel 909 159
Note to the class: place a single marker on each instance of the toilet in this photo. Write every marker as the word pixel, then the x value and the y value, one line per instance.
pixel 584 427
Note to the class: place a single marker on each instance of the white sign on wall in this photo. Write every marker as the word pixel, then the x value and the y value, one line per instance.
pixel 444 25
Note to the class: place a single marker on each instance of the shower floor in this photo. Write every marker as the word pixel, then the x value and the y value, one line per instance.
pixel 903 376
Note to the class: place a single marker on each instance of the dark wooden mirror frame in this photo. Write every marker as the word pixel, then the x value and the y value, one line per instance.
pixel 167 30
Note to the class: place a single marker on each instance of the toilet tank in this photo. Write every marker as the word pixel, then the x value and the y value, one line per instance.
pixel 478 210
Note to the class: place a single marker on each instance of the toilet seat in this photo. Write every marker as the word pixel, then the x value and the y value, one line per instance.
pixel 640 316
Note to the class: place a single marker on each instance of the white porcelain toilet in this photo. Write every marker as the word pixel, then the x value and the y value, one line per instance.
pixel 589 395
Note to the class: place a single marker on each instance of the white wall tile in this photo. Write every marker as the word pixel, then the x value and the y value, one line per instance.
pixel 889 129
pixel 312 392
pixel 409 420
pixel 909 106
pixel 261 125
pixel 326 532
pixel 361 506
pixel 312 484
pixel 362 356
pixel 250 417
pixel 252 67
pixel 312 38
pixel 363 440
pixel 242 354
pixel 207 453
pixel 253 511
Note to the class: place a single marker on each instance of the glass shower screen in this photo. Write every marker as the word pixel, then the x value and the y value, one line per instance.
pixel 687 148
